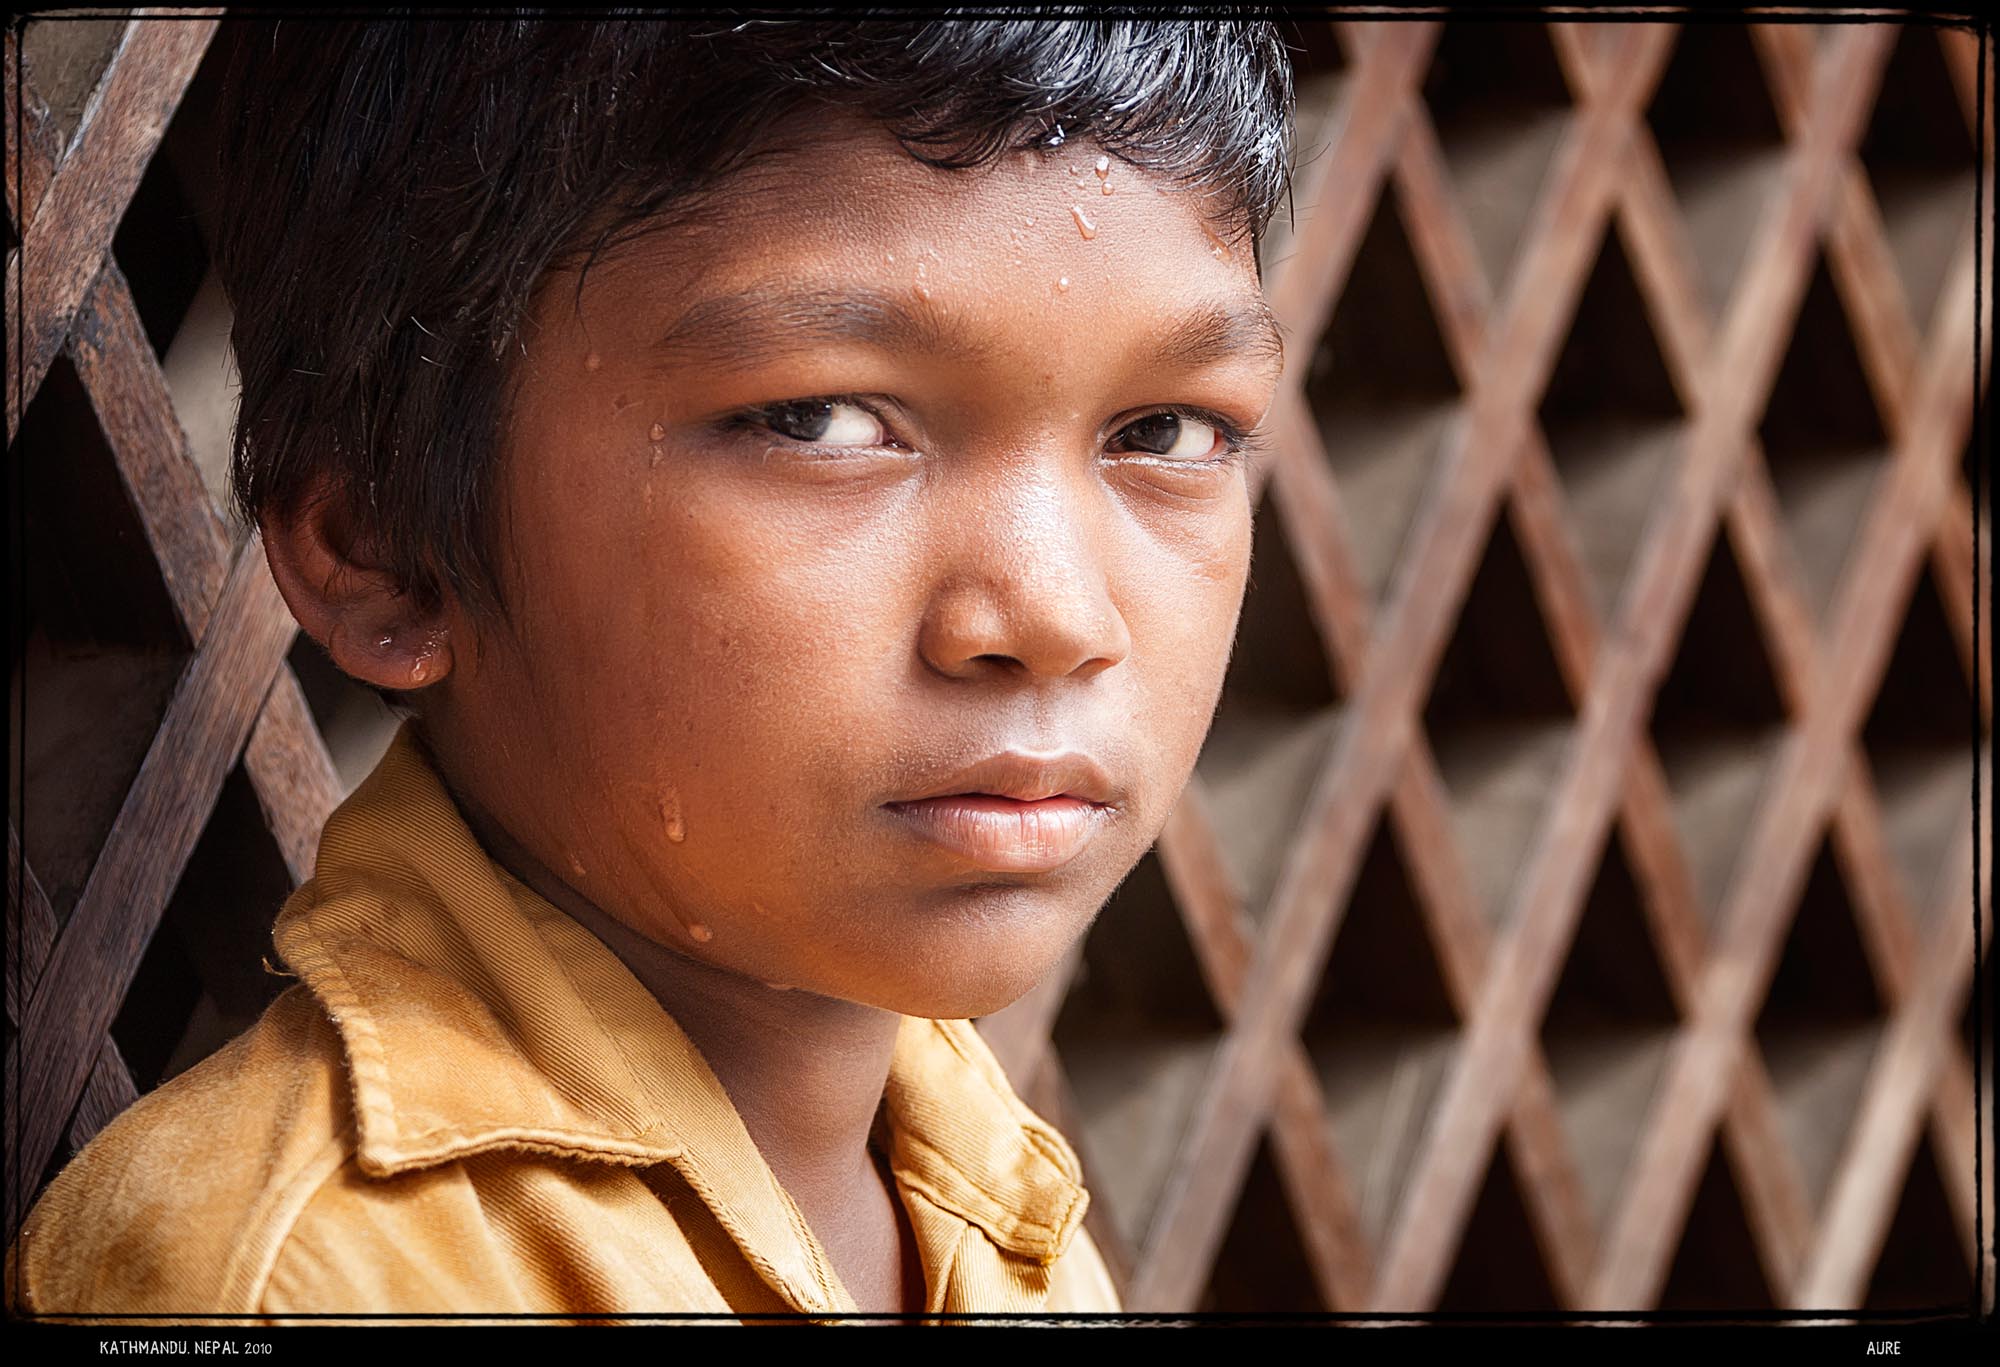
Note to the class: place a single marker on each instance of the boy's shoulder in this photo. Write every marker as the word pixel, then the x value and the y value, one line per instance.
pixel 182 1204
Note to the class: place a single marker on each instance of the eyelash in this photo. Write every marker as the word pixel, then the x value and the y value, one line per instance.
pixel 1237 443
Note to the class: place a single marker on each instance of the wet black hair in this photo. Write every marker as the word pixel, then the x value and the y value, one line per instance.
pixel 393 189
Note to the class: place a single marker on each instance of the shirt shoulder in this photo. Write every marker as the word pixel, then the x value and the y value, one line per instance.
pixel 180 1205
pixel 506 1232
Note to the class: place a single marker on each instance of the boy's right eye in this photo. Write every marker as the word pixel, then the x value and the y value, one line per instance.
pixel 824 422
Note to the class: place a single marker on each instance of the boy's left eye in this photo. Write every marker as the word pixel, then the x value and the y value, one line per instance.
pixel 1176 436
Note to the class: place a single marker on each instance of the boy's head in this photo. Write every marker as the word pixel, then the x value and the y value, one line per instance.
pixel 729 439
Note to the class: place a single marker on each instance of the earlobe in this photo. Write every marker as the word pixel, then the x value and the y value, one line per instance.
pixel 374 631
pixel 409 654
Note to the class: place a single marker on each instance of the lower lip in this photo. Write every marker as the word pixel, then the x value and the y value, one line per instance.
pixel 1005 835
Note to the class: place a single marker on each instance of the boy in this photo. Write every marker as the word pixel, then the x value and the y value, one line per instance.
pixel 792 477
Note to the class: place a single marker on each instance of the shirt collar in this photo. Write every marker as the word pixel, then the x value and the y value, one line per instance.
pixel 477 1016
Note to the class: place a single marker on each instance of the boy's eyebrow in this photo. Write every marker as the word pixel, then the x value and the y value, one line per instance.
pixel 756 325
pixel 1215 331
pixel 762 323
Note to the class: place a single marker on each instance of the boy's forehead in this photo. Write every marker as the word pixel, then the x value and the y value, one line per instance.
pixel 846 207
pixel 838 180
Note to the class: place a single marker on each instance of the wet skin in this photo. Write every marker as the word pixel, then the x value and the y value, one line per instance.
pixel 740 633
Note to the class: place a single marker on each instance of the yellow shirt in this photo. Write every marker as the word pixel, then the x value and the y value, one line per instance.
pixel 468 1104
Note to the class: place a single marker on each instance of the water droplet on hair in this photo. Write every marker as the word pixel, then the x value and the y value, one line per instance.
pixel 701 932
pixel 1083 223
pixel 592 361
pixel 1103 167
pixel 656 432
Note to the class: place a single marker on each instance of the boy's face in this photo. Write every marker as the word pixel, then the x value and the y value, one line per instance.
pixel 745 633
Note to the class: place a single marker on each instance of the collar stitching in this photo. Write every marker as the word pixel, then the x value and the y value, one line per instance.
pixel 1009 1227
pixel 368 1061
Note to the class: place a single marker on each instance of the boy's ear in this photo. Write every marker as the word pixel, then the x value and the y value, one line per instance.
pixel 349 603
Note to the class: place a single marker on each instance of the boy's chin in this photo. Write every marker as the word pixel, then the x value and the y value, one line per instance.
pixel 991 992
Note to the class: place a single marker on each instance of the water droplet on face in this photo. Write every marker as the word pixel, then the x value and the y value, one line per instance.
pixel 592 361
pixel 657 432
pixel 779 987
pixel 701 932
pixel 1063 283
pixel 923 291
pixel 670 818
pixel 889 257
pixel 653 461
pixel 1083 223
pixel 1107 187
pixel 576 866
pixel 1103 167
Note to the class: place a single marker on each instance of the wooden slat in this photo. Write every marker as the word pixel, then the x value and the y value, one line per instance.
pixel 286 758
pixel 70 230
pixel 116 364
pixel 203 732
pixel 31 926
pixel 34 158
pixel 31 932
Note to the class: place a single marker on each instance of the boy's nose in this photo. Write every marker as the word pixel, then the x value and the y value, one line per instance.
pixel 1024 585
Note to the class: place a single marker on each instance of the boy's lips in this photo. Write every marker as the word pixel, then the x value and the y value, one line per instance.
pixel 1014 812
